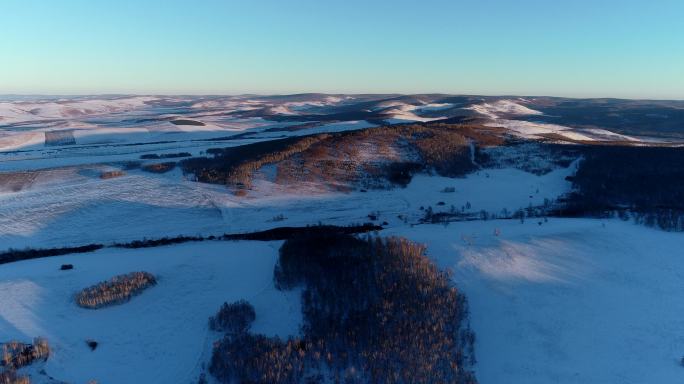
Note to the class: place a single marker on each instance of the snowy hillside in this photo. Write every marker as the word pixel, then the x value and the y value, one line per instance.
pixel 45 125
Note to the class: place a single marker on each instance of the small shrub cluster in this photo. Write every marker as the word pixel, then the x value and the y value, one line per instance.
pixel 279 217
pixel 117 290
pixel 159 167
pixel 11 377
pixel 92 344
pixel 187 122
pixel 16 354
pixel 233 318
pixel 111 174
pixel 375 311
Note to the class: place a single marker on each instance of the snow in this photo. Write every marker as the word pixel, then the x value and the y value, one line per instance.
pixel 307 105
pixel 281 110
pixel 605 135
pixel 12 112
pixel 194 278
pixel 506 107
pixel 568 301
pixel 434 107
pixel 498 111
pixel 401 113
pixel 529 129
pixel 86 209
pixel 10 141
pixel 160 336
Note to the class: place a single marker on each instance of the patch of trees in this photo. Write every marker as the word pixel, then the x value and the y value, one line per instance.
pixel 234 318
pixel 117 290
pixel 642 183
pixel 187 122
pixel 248 358
pixel 62 137
pixel 337 159
pixel 16 354
pixel 453 214
pixel 444 150
pixel 159 167
pixel 530 156
pixel 11 377
pixel 234 166
pixel 111 174
pixel 401 173
pixel 375 310
pixel 379 157
pixel 13 255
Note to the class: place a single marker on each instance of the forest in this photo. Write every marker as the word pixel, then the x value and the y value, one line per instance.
pixel 376 310
pixel 645 184
pixel 339 160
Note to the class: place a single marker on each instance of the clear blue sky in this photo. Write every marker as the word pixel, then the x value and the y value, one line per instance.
pixel 622 48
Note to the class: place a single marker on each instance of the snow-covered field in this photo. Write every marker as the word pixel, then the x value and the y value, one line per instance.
pixel 568 301
pixel 160 336
pixel 26 124
pixel 88 209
